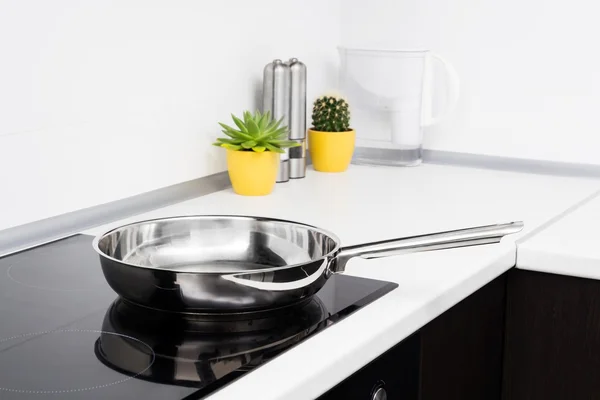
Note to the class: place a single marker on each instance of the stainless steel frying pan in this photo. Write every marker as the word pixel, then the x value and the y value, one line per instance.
pixel 233 264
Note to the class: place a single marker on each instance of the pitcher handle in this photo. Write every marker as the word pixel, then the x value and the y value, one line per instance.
pixel 452 92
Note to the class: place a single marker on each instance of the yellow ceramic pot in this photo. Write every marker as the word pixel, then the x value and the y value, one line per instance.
pixel 252 173
pixel 331 151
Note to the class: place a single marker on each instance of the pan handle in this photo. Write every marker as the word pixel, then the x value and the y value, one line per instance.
pixel 294 276
pixel 436 241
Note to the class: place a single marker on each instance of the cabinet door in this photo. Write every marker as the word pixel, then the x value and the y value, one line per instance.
pixel 396 371
pixel 552 337
pixel 461 350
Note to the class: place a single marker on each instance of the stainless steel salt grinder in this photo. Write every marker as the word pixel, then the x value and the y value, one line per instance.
pixel 268 87
pixel 281 109
pixel 297 118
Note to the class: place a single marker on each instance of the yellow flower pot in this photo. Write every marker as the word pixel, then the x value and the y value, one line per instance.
pixel 331 151
pixel 252 173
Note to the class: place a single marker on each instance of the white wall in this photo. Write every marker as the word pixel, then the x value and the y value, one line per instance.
pixel 529 70
pixel 101 100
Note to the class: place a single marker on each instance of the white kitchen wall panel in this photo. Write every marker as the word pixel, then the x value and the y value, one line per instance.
pixel 528 70
pixel 101 100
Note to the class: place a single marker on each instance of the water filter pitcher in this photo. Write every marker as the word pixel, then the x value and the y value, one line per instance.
pixel 391 96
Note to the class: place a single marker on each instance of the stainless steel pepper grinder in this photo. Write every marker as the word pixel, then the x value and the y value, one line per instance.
pixel 297 118
pixel 276 99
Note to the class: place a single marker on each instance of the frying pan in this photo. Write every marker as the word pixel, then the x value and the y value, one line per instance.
pixel 238 264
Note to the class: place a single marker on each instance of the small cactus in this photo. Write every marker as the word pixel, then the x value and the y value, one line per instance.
pixel 331 114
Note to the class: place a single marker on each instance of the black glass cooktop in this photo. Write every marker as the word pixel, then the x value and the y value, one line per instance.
pixel 64 334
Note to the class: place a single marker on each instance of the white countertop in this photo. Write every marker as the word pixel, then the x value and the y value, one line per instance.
pixel 375 203
pixel 570 246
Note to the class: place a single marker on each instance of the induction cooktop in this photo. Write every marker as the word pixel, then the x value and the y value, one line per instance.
pixel 64 334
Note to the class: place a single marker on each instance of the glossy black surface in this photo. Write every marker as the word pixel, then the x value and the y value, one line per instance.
pixel 64 334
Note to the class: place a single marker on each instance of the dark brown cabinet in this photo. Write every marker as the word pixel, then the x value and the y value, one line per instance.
pixel 552 348
pixel 456 356
pixel 461 350
pixel 524 336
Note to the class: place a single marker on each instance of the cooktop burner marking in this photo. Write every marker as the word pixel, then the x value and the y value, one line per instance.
pixel 26 391
pixel 12 278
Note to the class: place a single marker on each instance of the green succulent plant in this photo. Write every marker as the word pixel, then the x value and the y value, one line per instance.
pixel 257 132
pixel 331 114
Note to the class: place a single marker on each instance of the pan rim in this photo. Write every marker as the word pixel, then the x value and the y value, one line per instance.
pixel 330 254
